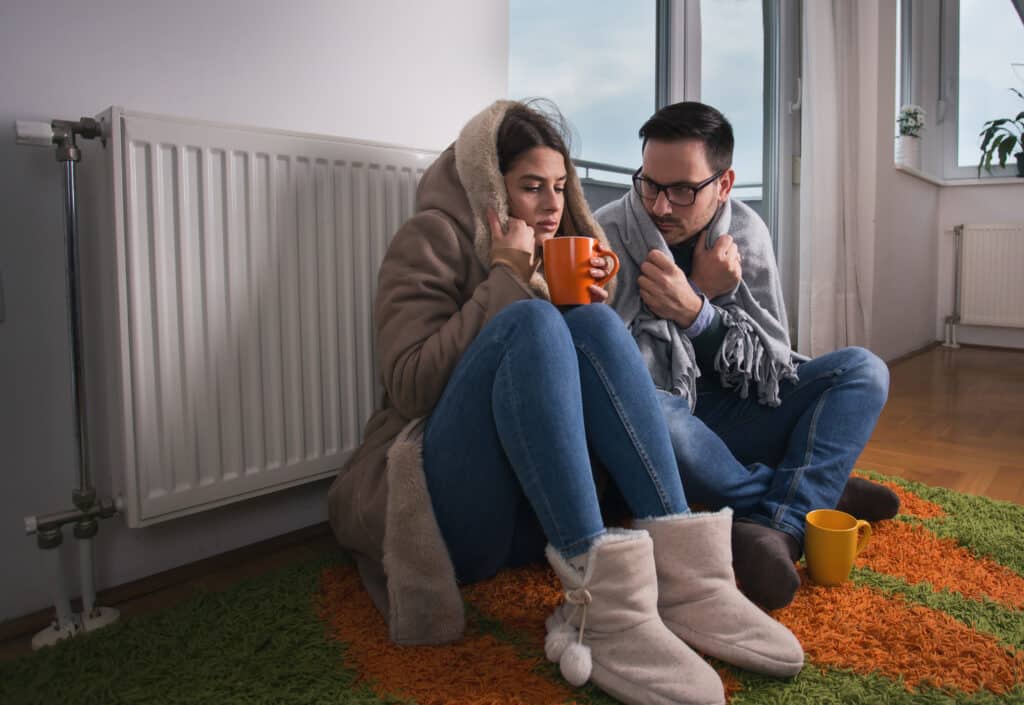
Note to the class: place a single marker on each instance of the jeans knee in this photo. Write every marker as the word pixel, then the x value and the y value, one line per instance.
pixel 871 373
pixel 596 324
pixel 534 321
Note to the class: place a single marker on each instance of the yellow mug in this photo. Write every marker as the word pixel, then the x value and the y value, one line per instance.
pixel 833 539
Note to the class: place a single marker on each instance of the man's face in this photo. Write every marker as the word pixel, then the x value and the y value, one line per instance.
pixel 682 162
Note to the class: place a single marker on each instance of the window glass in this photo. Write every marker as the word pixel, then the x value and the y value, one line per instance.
pixel 732 80
pixel 596 61
pixel 991 62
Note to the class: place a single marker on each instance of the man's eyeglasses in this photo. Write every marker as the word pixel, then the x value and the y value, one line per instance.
pixel 677 194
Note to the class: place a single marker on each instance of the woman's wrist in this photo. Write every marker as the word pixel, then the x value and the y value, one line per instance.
pixel 516 260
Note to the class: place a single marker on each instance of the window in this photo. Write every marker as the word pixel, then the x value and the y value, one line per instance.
pixel 991 62
pixel 732 80
pixel 958 60
pixel 597 61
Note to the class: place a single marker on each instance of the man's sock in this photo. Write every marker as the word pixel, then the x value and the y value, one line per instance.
pixel 868 500
pixel 763 559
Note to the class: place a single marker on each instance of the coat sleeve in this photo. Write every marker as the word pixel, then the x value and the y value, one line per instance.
pixel 424 317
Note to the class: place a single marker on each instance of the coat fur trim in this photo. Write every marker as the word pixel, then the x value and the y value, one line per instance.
pixel 424 603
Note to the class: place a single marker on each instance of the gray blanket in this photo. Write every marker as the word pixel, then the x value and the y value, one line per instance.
pixel 756 346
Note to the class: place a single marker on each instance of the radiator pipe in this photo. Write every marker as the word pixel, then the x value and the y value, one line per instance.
pixel 64 625
pixel 67 151
pixel 87 512
pixel 103 509
pixel 85 570
pixel 92 617
pixel 953 320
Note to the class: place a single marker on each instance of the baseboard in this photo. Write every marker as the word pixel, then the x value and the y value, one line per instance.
pixel 997 348
pixel 113 596
pixel 913 353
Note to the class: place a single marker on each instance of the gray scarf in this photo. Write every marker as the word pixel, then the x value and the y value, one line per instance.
pixel 756 345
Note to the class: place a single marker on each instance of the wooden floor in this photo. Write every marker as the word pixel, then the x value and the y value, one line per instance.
pixel 954 419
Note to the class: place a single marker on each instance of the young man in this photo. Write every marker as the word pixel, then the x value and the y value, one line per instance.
pixel 754 426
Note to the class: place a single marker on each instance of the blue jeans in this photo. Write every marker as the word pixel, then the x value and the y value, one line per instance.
pixel 775 464
pixel 505 451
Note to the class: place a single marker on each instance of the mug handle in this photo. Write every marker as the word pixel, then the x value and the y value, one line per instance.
pixel 863 535
pixel 615 263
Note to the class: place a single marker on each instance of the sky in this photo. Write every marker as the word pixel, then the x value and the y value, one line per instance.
pixel 596 60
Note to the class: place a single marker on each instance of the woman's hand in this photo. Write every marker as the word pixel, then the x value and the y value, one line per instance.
pixel 600 266
pixel 518 237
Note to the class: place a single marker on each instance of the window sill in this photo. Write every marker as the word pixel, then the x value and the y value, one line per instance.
pixel 990 181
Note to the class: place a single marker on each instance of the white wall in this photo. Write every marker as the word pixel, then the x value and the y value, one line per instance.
pixel 974 204
pixel 392 71
pixel 906 221
pixel 915 220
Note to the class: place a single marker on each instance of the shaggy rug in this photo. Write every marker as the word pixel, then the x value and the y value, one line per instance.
pixel 934 613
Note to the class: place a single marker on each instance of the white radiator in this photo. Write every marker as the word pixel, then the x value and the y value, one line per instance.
pixel 989 277
pixel 228 276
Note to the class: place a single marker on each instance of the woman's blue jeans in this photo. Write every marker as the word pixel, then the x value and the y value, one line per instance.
pixel 505 450
pixel 775 464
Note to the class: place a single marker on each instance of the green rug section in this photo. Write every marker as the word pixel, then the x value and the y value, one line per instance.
pixel 835 687
pixel 1006 625
pixel 257 642
pixel 990 528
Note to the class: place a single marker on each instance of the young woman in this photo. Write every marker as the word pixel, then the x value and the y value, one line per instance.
pixel 494 402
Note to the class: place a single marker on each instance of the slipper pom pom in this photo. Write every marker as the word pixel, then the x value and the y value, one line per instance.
pixel 575 663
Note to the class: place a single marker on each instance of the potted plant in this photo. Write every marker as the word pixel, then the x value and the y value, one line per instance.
pixel 908 142
pixel 1000 137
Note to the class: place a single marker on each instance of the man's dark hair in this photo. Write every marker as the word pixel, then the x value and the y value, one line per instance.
pixel 692 120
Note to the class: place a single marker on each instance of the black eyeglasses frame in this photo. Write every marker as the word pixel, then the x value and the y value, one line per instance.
pixel 694 189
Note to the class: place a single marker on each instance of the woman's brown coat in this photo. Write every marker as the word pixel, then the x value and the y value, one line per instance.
pixel 435 293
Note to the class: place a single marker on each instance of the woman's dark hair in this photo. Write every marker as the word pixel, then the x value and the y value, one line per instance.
pixel 692 120
pixel 535 123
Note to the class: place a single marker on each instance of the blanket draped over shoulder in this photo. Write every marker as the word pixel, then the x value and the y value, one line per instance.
pixel 756 348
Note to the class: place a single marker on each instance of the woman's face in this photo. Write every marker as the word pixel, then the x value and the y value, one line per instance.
pixel 536 190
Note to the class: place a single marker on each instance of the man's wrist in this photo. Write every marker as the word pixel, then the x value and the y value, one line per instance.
pixel 701 321
pixel 688 315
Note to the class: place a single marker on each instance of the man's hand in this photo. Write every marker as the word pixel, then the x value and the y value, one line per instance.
pixel 716 271
pixel 666 291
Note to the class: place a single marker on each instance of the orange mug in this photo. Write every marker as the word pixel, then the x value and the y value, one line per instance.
pixel 567 268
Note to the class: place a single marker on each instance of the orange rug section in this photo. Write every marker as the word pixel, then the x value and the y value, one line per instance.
pixel 916 555
pixel 913 505
pixel 858 629
pixel 522 598
pixel 477 670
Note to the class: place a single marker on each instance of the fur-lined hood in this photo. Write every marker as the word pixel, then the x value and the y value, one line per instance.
pixel 465 181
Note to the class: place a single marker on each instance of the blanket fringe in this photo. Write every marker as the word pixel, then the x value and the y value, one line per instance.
pixel 743 358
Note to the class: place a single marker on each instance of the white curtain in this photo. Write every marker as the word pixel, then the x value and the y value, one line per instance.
pixel 839 153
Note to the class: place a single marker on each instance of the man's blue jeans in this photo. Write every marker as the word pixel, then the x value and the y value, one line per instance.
pixel 775 464
pixel 505 450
